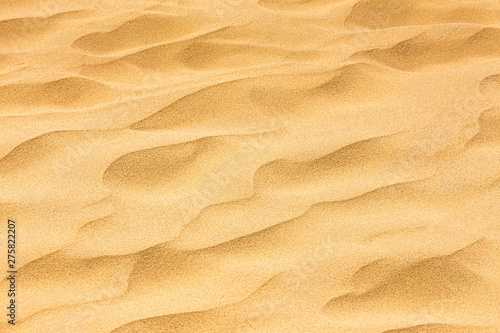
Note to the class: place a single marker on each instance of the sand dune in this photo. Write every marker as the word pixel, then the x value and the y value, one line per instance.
pixel 380 14
pixel 438 328
pixel 182 58
pixel 430 49
pixel 442 284
pixel 142 31
pixel 251 166
pixel 67 93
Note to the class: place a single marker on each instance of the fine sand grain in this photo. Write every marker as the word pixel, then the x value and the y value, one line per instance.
pixel 238 166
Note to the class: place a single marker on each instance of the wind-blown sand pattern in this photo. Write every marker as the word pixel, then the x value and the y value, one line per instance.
pixel 252 165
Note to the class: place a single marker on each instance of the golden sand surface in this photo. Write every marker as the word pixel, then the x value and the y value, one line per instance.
pixel 238 166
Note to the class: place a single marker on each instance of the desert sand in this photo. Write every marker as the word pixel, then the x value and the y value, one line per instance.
pixel 231 166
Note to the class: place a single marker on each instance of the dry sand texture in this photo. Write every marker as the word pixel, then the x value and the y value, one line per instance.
pixel 249 166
